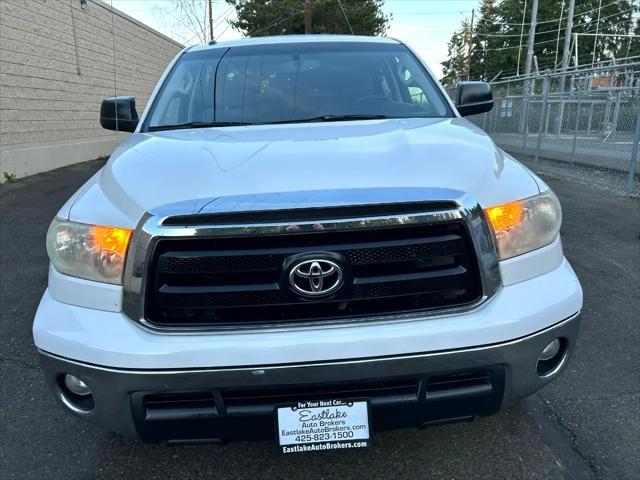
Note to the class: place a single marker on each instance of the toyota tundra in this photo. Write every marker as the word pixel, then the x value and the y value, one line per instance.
pixel 303 240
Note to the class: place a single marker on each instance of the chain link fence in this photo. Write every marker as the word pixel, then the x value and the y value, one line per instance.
pixel 582 126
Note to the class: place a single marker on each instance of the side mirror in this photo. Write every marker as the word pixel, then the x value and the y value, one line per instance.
pixel 119 113
pixel 473 98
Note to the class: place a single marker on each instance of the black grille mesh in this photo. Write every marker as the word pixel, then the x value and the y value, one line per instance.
pixel 401 253
pixel 211 264
pixel 242 281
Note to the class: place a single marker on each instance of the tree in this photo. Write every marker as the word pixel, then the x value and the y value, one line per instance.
pixel 486 40
pixel 497 34
pixel 454 69
pixel 187 18
pixel 277 17
pixel 614 18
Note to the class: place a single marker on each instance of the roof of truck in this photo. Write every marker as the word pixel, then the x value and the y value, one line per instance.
pixel 276 39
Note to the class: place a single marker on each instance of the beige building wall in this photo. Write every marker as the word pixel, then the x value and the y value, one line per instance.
pixel 57 62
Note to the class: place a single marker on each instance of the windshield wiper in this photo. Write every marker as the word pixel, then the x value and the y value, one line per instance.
pixel 334 118
pixel 320 118
pixel 180 126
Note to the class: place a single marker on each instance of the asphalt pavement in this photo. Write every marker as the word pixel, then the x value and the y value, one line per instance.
pixel 584 425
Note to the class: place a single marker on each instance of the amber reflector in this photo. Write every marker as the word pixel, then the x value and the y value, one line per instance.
pixel 503 217
pixel 112 239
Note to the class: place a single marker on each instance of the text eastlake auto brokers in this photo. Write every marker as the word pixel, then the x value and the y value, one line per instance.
pixel 323 425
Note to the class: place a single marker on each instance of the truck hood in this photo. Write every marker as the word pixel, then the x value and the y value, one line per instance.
pixel 197 166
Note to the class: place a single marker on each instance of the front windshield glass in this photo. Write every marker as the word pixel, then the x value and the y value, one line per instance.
pixel 296 82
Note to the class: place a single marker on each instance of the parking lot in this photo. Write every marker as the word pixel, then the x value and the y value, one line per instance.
pixel 585 425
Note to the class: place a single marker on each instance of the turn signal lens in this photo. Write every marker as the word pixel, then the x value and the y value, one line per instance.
pixel 111 239
pixel 92 252
pixel 506 216
pixel 525 225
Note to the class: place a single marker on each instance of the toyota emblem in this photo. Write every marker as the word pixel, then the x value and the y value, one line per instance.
pixel 315 277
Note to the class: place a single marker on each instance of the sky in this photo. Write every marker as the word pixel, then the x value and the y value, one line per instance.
pixel 425 25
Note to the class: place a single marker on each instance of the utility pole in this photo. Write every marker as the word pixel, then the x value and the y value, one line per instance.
pixel 567 37
pixel 308 15
pixel 527 72
pixel 473 12
pixel 595 40
pixel 524 12
pixel 555 62
pixel 532 37
pixel 210 22
pixel 566 53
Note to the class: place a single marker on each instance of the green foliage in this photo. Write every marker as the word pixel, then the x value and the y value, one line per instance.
pixel 284 17
pixel 499 39
pixel 485 41
pixel 10 177
pixel 455 68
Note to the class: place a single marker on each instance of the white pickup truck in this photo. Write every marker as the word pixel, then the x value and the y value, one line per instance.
pixel 303 240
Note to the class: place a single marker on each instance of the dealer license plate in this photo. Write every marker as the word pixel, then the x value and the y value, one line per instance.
pixel 318 425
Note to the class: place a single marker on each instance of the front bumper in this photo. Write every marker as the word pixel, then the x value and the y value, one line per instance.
pixel 477 381
pixel 111 339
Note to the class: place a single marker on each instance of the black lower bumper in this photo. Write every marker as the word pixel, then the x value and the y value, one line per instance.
pixel 229 404
pixel 247 413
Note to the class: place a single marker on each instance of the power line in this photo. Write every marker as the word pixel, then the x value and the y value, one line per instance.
pixel 451 12
pixel 345 16
pixel 583 55
pixel 278 22
pixel 554 21
pixel 225 29
pixel 427 1
pixel 219 22
pixel 497 35
pixel 562 37
pixel 631 35
pixel 223 17
pixel 549 64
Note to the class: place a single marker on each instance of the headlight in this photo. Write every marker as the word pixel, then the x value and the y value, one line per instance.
pixel 91 252
pixel 525 225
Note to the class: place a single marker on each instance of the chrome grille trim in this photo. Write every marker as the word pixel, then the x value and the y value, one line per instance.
pixel 151 228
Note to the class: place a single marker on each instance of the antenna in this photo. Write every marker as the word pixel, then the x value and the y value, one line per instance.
pixel 115 90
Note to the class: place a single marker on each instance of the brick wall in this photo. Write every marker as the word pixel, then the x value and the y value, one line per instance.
pixel 57 63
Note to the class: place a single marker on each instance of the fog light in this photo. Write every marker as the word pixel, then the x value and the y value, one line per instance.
pixel 75 394
pixel 550 350
pixel 76 386
pixel 552 358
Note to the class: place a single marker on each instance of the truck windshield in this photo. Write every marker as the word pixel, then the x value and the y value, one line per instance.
pixel 295 82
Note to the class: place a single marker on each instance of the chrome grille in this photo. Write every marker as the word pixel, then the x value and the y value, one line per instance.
pixel 242 280
pixel 185 272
